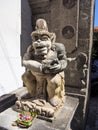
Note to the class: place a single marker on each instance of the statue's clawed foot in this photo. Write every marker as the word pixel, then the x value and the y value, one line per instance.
pixel 38 106
pixel 55 101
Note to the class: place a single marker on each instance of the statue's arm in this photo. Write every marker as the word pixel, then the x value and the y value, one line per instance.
pixel 32 65
pixel 58 64
pixel 62 58
pixel 29 62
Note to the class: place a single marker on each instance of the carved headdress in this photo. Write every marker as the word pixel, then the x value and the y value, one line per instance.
pixel 42 28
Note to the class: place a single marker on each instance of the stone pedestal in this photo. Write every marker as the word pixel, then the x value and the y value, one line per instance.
pixel 61 122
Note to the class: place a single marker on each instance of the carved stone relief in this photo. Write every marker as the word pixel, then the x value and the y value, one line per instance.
pixel 68 31
pixel 69 3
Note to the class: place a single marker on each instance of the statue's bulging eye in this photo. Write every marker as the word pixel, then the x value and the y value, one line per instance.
pixel 44 38
pixel 36 38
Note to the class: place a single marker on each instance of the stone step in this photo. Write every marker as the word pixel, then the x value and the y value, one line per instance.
pixel 61 122
pixel 7 101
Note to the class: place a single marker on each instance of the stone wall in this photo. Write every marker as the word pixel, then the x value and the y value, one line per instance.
pixel 26 26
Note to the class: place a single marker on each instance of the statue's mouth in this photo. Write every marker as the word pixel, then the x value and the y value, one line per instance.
pixel 41 50
pixel 40 47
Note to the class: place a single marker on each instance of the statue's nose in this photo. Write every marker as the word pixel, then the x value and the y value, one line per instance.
pixel 39 40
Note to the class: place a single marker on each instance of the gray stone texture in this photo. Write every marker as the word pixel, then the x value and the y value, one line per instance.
pixel 72 21
pixel 61 121
pixel 26 26
pixel 7 101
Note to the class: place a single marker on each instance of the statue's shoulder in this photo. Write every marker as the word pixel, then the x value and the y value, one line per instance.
pixel 59 46
pixel 29 49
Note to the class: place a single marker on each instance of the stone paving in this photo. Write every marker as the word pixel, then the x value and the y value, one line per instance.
pixel 92 120
pixel 61 120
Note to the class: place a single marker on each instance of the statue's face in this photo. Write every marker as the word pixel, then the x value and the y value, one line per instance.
pixel 41 44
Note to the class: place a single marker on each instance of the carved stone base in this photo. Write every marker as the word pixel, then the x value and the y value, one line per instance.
pixel 43 109
pixel 62 121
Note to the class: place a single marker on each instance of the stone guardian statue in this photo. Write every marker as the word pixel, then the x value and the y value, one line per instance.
pixel 45 61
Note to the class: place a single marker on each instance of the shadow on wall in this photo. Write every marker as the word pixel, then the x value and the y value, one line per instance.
pixel 26 26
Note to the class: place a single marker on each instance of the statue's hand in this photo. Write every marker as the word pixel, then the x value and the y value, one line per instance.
pixel 45 68
pixel 53 67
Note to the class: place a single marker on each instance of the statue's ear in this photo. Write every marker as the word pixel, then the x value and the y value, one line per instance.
pixel 53 37
pixel 32 35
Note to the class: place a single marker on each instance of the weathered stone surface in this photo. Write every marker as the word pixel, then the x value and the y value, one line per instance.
pixel 26 26
pixel 68 32
pixel 40 7
pixel 7 101
pixel 44 61
pixel 49 9
pixel 69 3
pixel 79 15
pixel 61 122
